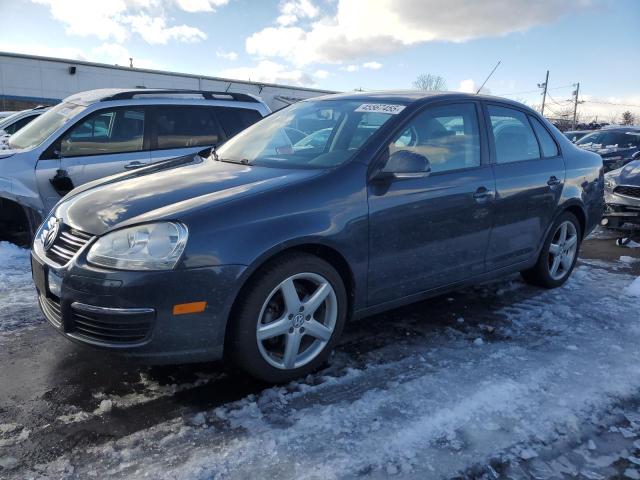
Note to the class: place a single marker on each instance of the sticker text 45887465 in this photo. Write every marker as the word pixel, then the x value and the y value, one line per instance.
pixel 380 108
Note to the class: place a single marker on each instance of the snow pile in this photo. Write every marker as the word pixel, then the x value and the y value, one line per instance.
pixel 425 407
pixel 633 290
pixel 18 304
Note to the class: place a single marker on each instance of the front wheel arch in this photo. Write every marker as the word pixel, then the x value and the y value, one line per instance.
pixel 322 251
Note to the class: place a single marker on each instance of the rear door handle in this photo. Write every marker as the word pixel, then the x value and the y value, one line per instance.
pixel 133 165
pixel 483 194
pixel 553 181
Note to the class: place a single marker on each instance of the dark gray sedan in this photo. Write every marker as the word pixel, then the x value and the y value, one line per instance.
pixel 262 249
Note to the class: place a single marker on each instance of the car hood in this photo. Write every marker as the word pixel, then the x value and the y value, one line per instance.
pixel 167 190
pixel 605 151
pixel 5 151
pixel 629 174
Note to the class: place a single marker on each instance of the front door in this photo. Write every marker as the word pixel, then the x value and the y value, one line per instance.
pixel 529 174
pixel 104 143
pixel 432 231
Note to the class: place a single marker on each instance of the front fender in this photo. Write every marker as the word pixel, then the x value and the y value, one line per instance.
pixel 328 210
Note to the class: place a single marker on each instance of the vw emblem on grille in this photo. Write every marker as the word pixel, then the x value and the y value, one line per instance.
pixel 51 233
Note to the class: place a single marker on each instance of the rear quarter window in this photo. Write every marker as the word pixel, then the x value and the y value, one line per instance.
pixel 547 143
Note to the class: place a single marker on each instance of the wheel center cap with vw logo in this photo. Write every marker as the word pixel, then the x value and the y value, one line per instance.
pixel 298 320
pixel 51 233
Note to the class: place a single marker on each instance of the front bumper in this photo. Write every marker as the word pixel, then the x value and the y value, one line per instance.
pixel 132 312
pixel 622 212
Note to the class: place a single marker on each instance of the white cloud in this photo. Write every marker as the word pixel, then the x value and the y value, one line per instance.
pixel 470 86
pixel 269 72
pixel 350 68
pixel 193 6
pixel 354 31
pixel 321 74
pixel 154 30
pixel 607 109
pixel 115 19
pixel 372 65
pixel 232 56
pixel 294 10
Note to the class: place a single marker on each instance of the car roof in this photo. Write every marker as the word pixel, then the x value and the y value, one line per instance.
pixel 412 96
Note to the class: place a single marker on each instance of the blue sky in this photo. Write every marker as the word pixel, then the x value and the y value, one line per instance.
pixel 347 44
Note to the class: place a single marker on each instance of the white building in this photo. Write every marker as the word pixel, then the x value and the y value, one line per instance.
pixel 28 80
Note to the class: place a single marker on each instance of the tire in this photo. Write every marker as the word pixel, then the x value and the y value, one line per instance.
pixel 275 306
pixel 542 274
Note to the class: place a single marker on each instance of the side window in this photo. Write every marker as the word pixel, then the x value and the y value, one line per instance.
pixel 234 120
pixel 513 136
pixel 448 136
pixel 185 126
pixel 548 144
pixel 108 131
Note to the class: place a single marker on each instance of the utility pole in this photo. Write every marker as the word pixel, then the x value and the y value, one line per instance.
pixel 575 103
pixel 544 92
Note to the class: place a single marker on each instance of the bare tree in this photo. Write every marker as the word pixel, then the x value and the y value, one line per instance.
pixel 428 81
pixel 628 118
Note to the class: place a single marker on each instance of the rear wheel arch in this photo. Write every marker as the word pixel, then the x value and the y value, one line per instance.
pixel 578 211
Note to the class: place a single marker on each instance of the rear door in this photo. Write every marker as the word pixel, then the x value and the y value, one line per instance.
pixel 529 173
pixel 178 130
pixel 104 143
pixel 432 231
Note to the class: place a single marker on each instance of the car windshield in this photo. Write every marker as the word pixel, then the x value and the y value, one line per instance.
pixel 37 131
pixel 604 138
pixel 312 134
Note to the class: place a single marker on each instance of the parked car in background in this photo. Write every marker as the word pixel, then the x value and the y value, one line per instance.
pixel 263 250
pixel 622 196
pixel 13 123
pixel 575 135
pixel 98 133
pixel 617 146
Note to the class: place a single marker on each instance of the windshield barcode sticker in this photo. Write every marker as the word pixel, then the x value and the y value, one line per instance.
pixel 380 108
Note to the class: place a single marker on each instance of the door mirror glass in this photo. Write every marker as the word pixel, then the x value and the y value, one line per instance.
pixel 406 164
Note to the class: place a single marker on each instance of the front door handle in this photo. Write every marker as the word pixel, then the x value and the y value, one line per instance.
pixel 133 165
pixel 553 181
pixel 483 194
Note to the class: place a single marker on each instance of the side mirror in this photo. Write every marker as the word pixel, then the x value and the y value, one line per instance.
pixel 405 164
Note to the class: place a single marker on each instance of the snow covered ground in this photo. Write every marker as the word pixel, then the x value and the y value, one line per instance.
pixel 498 381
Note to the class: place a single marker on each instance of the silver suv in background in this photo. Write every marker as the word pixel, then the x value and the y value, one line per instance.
pixel 99 133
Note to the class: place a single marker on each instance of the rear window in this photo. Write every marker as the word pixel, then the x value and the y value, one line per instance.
pixel 234 120
pixel 185 126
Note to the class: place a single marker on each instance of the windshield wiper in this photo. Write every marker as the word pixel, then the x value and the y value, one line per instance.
pixel 244 161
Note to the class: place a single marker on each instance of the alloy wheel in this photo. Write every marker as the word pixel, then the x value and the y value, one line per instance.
pixel 562 250
pixel 297 320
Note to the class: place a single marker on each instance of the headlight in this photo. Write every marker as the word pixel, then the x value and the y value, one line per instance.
pixel 152 246
pixel 609 181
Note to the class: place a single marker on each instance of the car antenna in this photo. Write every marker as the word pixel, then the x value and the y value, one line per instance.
pixel 487 79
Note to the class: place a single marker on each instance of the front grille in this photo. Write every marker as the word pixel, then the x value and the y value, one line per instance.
pixel 51 309
pixel 67 244
pixel 627 191
pixel 110 329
